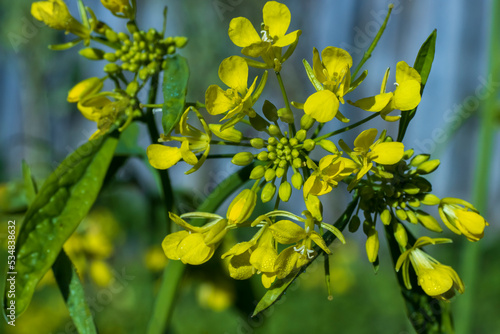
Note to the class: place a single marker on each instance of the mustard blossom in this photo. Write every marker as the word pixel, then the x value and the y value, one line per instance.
pixel 56 15
pixel 462 218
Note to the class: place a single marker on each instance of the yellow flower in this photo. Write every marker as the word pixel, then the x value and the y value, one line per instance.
pixel 462 218
pixel 334 74
pixel 273 36
pixel 330 171
pixel 84 89
pixel 196 245
pixel 366 151
pixel 405 97
pixel 55 14
pixel 437 280
pixel 192 141
pixel 116 6
pixel 255 256
pixel 238 100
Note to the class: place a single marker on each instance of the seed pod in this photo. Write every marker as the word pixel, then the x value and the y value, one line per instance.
pixel 267 192
pixel 285 191
pixel 257 172
pixel 242 158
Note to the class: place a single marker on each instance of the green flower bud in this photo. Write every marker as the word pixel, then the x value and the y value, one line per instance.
pixel 285 191
pixel 111 68
pixel 170 50
pixel 295 153
pixel 131 27
pixel 306 122
pixel 267 192
pixel 294 142
pixel 284 141
pixel 283 163
pixel 297 163
pixel 301 135
pixel 123 36
pixel 372 245
pixel 424 185
pixel 111 35
pixel 408 154
pixel 328 145
pixel 401 214
pixel 354 224
pixel 262 156
pixel 309 144
pixel 151 35
pixel 272 141
pixel 274 130
pixel 132 88
pixel 180 41
pixel 280 172
pixel 413 202
pixel 418 159
pixel 92 53
pixel 269 174
pixel 270 111
pixel 133 67
pixel 143 74
pixel 386 217
pixel 286 115
pixel 411 189
pixel 297 180
pixel 401 235
pixel 412 218
pixel 279 145
pixel 257 143
pixel 257 172
pixel 428 221
pixel 111 57
pixel 271 148
pixel 242 158
pixel 272 156
pixel 430 199
pixel 428 166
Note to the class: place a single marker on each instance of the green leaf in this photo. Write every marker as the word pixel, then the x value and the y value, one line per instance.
pixel 172 274
pixel 279 287
pixel 423 65
pixel 29 183
pixel 61 203
pixel 175 81
pixel 426 314
pixel 72 290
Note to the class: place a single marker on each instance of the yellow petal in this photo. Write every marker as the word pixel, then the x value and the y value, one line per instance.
pixel 92 111
pixel 268 279
pixel 263 259
pixel 322 106
pixel 257 49
pixel 318 66
pixel 242 206
pixel 84 88
pixel 187 155
pixel 406 73
pixel 384 81
pixel 239 248
pixel 374 103
pixel 163 157
pixel 233 71
pixel 365 139
pixel 277 17
pixel 470 224
pixel 318 240
pixel 229 134
pixel 288 39
pixel 435 281
pixel 193 250
pixel 240 268
pixel 242 33
pixel 216 100
pixel 387 153
pixel 171 242
pixel 285 262
pixel 407 95
pixel 337 61
pixel 287 232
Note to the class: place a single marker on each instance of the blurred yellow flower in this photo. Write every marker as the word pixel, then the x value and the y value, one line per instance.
pixel 55 14
pixel 334 74
pixel 116 6
pixel 462 218
pixel 406 96
pixel 330 171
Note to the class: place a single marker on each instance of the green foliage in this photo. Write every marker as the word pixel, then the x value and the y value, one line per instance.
pixel 175 81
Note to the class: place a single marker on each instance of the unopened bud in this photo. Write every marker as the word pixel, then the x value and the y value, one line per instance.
pixel 430 199
pixel 229 134
pixel 269 174
pixel 328 145
pixel 309 144
pixel 286 115
pixel 418 159
pixel 242 206
pixel 428 221
pixel 280 171
pixel 132 88
pixel 242 158
pixel 408 154
pixel 111 35
pixel 385 217
pixel 401 235
pixel 111 68
pixel 274 130
pixel 180 41
pixel 257 172
pixel 262 156
pixel 401 214
pixel 306 122
pixel 412 218
pixel 428 166
pixel 372 245
pixel 285 191
pixel 301 135
pixel 411 189
pixel 257 143
pixel 92 53
pixel 297 181
pixel 267 192
pixel 297 163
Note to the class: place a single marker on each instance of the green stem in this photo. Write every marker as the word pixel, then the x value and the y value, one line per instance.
pixel 222 142
pixel 154 135
pixel 471 254
pixel 291 126
pixel 368 52
pixel 220 156
pixel 103 41
pixel 347 128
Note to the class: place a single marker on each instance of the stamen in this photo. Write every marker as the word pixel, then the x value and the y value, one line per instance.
pixel 310 253
pixel 299 250
pixel 265 36
pixel 396 84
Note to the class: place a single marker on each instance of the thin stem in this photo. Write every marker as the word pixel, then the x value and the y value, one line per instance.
pixel 318 130
pixel 471 254
pixel 291 126
pixel 222 142
pixel 103 41
pixel 368 52
pixel 347 128
pixel 220 156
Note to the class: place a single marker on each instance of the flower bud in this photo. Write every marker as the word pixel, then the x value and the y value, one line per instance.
pixel 418 159
pixel 408 154
pixel 328 145
pixel 111 35
pixel 132 88
pixel 262 156
pixel 306 122
pixel 180 41
pixel 285 115
pixel 412 218
pixel 428 167
pixel 242 158
pixel 84 89
pixel 111 68
pixel 430 199
pixel 411 189
pixel 385 217
pixel 285 191
pixel 401 214
pixel 401 235
pixel 297 180
pixel 280 171
pixel 372 245
pixel 257 172
pixel 267 192
pixel 111 57
pixel 92 53
pixel 242 206
pixel 274 130
pixel 414 202
pixel 297 163
pixel 428 221
pixel 354 224
pixel 229 134
pixel 309 144
pixel 257 143
pixel 269 174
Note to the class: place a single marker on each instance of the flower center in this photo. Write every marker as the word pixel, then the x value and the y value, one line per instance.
pixel 266 37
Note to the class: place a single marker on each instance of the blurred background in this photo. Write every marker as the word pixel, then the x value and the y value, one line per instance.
pixel 120 240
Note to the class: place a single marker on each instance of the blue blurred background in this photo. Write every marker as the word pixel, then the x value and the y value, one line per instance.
pixel 38 125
